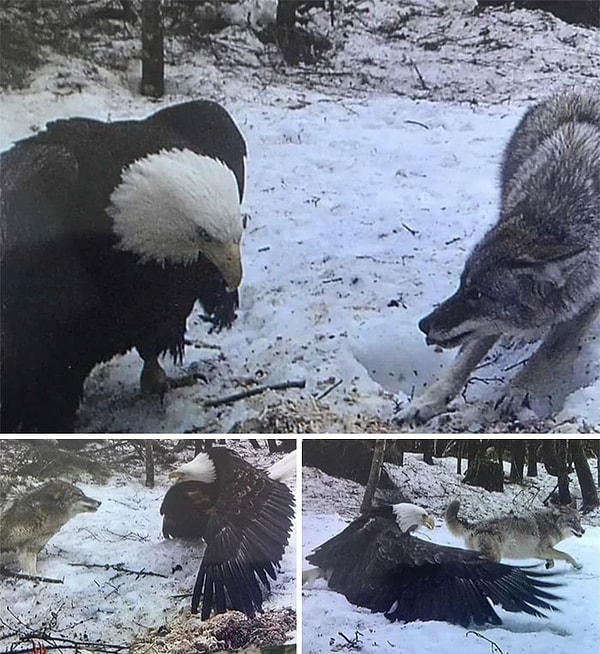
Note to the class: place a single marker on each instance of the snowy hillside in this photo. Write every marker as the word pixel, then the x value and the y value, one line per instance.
pixel 330 621
pixel 364 199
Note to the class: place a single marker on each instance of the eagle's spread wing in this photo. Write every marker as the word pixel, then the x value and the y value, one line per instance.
pixel 246 536
pixel 375 565
pixel 245 518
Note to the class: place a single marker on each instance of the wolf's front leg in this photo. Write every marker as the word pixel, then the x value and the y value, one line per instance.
pixel 27 560
pixel 552 554
pixel 434 400
pixel 555 356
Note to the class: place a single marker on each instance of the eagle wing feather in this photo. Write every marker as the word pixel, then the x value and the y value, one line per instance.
pixel 376 565
pixel 246 537
pixel 245 519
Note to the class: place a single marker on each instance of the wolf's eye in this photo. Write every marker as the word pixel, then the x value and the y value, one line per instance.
pixel 473 294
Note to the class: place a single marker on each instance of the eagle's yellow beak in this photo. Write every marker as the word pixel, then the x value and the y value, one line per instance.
pixel 175 475
pixel 429 522
pixel 228 260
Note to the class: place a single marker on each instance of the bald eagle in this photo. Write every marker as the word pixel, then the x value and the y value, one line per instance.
pixel 110 233
pixel 375 562
pixel 245 517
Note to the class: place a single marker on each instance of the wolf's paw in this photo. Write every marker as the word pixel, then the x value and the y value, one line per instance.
pixel 421 410
pixel 577 565
pixel 512 403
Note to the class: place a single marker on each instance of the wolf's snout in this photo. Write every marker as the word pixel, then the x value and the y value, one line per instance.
pixel 91 505
pixel 425 324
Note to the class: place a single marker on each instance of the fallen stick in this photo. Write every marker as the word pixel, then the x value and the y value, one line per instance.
pixel 423 83
pixel 326 392
pixel 119 567
pixel 21 575
pixel 416 122
pixel 257 390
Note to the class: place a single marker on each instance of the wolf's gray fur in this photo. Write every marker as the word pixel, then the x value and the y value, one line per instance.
pixel 32 519
pixel 536 273
pixel 519 537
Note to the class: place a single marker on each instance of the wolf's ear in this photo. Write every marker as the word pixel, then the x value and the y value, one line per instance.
pixel 549 262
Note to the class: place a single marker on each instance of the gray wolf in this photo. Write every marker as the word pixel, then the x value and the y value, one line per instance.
pixel 519 537
pixel 536 273
pixel 32 519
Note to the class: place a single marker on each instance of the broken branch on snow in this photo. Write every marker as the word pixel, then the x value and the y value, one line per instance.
pixel 257 390
pixel 5 572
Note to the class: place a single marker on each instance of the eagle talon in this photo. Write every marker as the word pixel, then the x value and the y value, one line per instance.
pixel 153 379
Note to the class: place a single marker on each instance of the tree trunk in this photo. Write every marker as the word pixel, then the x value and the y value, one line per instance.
pixel 564 495
pixel 555 461
pixel 472 449
pixel 532 454
pixel 427 445
pixel 149 463
pixel 374 474
pixel 399 446
pixel 499 448
pixel 460 444
pixel 440 445
pixel 153 64
pixel 484 469
pixel 584 475
pixel 285 31
pixel 518 448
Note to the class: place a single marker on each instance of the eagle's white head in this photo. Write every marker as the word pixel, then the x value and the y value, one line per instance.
pixel 410 517
pixel 201 468
pixel 175 204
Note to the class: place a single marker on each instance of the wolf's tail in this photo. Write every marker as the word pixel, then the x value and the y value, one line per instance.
pixel 457 526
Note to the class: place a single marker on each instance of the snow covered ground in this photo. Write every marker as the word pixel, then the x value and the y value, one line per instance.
pixel 97 602
pixel 364 206
pixel 330 621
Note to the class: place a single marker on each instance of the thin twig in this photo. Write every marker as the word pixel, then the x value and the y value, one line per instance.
pixel 423 83
pixel 331 388
pixel 416 122
pixel 20 575
pixel 495 648
pixel 329 73
pixel 257 390
pixel 118 567
pixel 516 365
